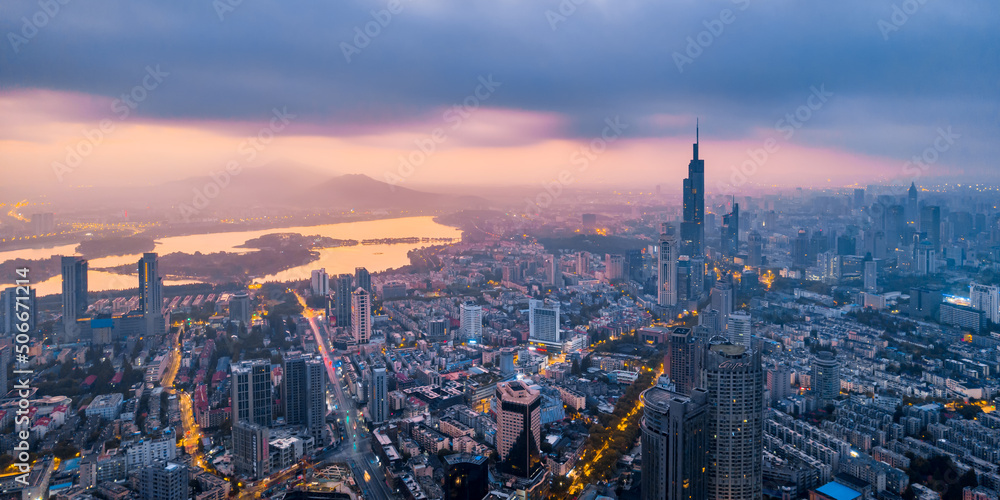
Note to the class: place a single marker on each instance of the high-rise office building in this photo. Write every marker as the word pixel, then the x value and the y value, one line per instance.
pixel 825 379
pixel 378 399
pixel 800 250
pixel 859 198
pixel 151 294
pixel 363 279
pixel 871 276
pixel 552 270
pixel 164 481
pixel 912 205
pixel 779 382
pixel 543 321
pixel 361 316
pixel 696 278
pixel 738 328
pixel 693 227
pixel 74 295
pixel 507 361
pixel 519 424
pixel 251 457
pixel 582 263
pixel 723 298
pixel 755 249
pixel 319 282
pixel 303 390
pixel 342 299
pixel 930 224
pixel 239 309
pixel 926 258
pixel 675 449
pixel 614 266
pixel 669 251
pixel 681 363
pixel 466 477
pixel 251 392
pixel 730 236
pixel 11 314
pixel 470 321
pixel 986 298
pixel 734 379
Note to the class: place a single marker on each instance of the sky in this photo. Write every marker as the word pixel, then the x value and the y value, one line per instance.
pixel 502 92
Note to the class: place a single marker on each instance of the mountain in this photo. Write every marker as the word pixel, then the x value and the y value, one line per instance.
pixel 358 191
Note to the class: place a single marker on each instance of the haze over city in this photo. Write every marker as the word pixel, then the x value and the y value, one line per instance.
pixel 531 250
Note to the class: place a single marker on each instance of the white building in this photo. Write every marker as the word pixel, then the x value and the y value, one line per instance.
pixel 320 282
pixel 471 321
pixel 543 321
pixel 361 315
pixel 738 328
pixel 667 276
pixel 106 406
pixel 986 298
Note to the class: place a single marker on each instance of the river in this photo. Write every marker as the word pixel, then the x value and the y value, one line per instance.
pixel 336 260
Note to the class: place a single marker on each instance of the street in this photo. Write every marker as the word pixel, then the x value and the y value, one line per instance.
pixel 356 448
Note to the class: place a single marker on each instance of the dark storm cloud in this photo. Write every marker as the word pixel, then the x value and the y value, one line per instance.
pixel 898 69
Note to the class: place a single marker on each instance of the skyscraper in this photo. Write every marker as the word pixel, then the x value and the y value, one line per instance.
pixel 738 328
pixel 470 322
pixel 303 389
pixel 319 282
pixel 342 299
pixel 614 266
pixel 361 316
pixel 755 249
pixel 674 444
pixel 74 295
pixel 681 361
pixel 730 236
pixel 239 309
pixel 986 298
pixel 251 457
pixel 930 224
pixel 692 227
pixel 164 481
pixel 734 380
pixel 466 477
pixel 825 380
pixel 871 276
pixel 151 294
pixel 582 263
pixel 10 313
pixel 723 300
pixel 363 279
pixel 543 321
pixel 912 206
pixel 378 390
pixel 667 290
pixel 551 270
pixel 251 392
pixel 519 423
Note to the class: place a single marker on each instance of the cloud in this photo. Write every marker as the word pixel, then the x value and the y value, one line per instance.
pixel 604 59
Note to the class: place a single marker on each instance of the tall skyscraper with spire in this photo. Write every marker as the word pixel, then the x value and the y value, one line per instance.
pixel 693 225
